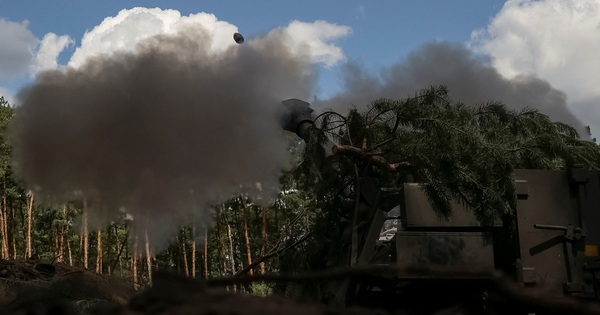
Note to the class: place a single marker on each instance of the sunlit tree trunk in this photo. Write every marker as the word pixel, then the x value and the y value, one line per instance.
pixel 246 236
pixel 231 257
pixel 186 268
pixel 193 249
pixel 99 256
pixel 85 233
pixel 231 253
pixel 206 254
pixel 194 258
pixel 148 257
pixel 70 252
pixel 29 220
pixel 81 240
pixel 4 222
pixel 134 270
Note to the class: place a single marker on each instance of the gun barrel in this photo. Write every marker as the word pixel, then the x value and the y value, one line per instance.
pixel 296 116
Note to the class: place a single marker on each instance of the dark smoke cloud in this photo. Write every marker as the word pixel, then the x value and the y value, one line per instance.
pixel 468 77
pixel 160 133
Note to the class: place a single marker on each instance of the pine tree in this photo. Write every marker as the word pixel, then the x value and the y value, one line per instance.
pixel 456 151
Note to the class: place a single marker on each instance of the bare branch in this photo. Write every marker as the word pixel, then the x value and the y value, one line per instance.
pixel 361 154
pixel 271 254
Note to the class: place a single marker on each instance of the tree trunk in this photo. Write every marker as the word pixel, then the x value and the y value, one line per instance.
pixel 99 256
pixel 61 249
pixel 193 249
pixel 264 238
pixel 185 259
pixel 4 236
pixel 220 241
pixel 231 253
pixel 148 258
pixel 108 245
pixel 4 222
pixel 14 246
pixel 206 254
pixel 56 242
pixel 70 252
pixel 85 233
pixel 29 220
pixel 81 241
pixel 232 260
pixel 13 238
pixel 23 228
pixel 246 235
pixel 134 270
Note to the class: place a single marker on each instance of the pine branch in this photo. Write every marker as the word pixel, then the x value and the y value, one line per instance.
pixel 271 254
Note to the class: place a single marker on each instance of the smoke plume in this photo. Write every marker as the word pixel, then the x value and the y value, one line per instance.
pixel 468 77
pixel 162 132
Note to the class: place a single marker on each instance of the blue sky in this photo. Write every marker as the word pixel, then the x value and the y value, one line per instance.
pixel 554 40
pixel 382 31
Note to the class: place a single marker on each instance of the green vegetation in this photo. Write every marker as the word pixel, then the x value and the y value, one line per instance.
pixel 457 151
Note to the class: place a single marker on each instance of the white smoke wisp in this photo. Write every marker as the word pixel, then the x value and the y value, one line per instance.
pixel 161 131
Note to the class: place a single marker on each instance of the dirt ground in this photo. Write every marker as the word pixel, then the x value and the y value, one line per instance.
pixel 36 288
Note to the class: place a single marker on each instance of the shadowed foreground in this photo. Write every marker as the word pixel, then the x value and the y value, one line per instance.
pixel 34 287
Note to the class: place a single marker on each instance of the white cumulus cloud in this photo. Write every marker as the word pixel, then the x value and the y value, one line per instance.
pixel 556 40
pixel 23 55
pixel 49 49
pixel 316 39
pixel 131 26
pixel 17 45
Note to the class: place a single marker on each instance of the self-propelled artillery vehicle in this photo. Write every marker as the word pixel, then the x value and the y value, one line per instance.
pixel 550 251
